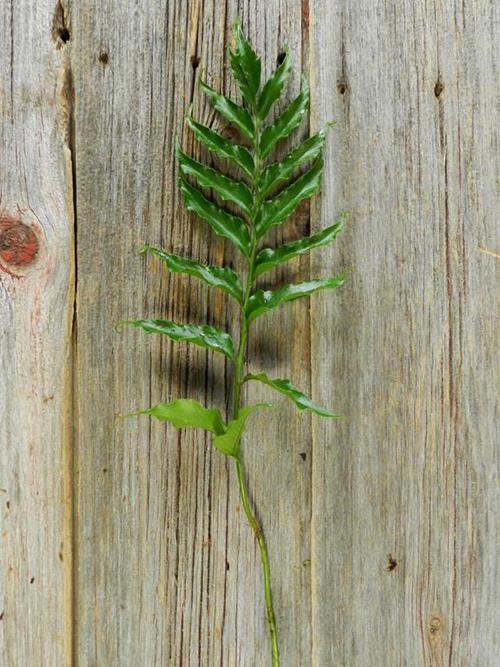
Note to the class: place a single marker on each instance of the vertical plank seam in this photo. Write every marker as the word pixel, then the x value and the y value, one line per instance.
pixel 66 113
pixel 306 11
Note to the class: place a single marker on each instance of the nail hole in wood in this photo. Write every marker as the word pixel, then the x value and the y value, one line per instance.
pixel 103 58
pixel 392 563
pixel 195 61
pixel 342 87
pixel 438 88
pixel 303 456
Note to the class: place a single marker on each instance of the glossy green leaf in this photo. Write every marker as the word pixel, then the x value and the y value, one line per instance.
pixel 268 258
pixel 202 335
pixel 215 276
pixel 229 442
pixel 264 300
pixel 280 207
pixel 273 88
pixel 222 146
pixel 185 412
pixel 288 120
pixel 223 223
pixel 277 172
pixel 245 64
pixel 285 387
pixel 236 115
pixel 226 188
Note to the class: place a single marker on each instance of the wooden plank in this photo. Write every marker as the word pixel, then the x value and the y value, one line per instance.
pixel 167 569
pixel 36 307
pixel 405 521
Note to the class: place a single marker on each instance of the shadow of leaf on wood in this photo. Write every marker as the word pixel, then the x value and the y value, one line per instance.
pixel 181 370
pixel 266 347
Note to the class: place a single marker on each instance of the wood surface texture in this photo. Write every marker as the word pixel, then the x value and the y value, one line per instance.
pixel 36 311
pixel 122 540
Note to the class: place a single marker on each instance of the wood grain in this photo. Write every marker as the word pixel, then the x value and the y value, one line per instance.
pixel 36 308
pixel 383 529
pixel 405 494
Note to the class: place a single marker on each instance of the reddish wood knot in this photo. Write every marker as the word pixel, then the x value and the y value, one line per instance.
pixel 18 243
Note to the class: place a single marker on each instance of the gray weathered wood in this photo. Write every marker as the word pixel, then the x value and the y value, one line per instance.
pixel 414 471
pixel 383 529
pixel 36 307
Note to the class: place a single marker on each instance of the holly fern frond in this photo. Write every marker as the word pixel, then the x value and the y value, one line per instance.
pixel 263 193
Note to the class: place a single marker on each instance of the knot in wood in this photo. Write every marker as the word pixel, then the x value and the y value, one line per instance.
pixel 18 242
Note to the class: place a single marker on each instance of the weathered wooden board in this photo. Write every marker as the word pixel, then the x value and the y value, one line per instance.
pixel 167 569
pixel 383 529
pixel 36 308
pixel 405 519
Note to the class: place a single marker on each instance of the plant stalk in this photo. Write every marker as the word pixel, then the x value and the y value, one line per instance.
pixel 238 368
pixel 264 556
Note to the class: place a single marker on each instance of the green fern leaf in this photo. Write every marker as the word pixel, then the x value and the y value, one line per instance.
pixel 285 387
pixel 264 300
pixel 202 335
pixel 235 114
pixel 186 412
pixel 229 442
pixel 277 172
pixel 215 276
pixel 222 146
pixel 226 188
pixel 286 122
pixel 245 64
pixel 266 197
pixel 223 223
pixel 268 258
pixel 273 88
pixel 280 207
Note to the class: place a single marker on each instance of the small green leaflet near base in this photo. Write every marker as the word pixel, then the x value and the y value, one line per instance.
pixel 229 442
pixel 186 412
pixel 284 386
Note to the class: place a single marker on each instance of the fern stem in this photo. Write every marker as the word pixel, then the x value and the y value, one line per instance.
pixel 238 368
pixel 259 536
